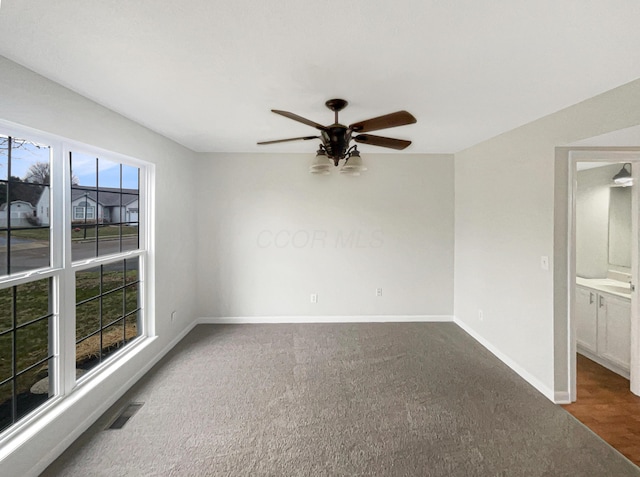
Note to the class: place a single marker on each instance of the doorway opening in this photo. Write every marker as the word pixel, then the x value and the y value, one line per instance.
pixel 603 263
pixel 602 258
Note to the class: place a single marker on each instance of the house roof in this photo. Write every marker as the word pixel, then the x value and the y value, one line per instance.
pixel 206 74
pixel 106 196
pixel 4 205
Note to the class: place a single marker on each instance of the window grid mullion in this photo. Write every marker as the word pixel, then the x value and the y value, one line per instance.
pixel 28 323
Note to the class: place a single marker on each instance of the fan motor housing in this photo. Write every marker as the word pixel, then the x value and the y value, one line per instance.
pixel 336 140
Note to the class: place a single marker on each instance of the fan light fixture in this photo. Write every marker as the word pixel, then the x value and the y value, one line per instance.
pixel 321 164
pixel 353 165
pixel 623 178
pixel 336 138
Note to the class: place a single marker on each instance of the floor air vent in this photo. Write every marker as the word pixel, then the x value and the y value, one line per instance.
pixel 126 414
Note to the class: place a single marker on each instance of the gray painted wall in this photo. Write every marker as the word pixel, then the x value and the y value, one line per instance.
pixel 271 234
pixel 511 209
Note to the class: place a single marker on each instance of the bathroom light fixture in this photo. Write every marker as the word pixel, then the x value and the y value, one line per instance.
pixel 623 178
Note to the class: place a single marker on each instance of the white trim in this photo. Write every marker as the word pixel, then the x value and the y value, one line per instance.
pixel 105 259
pixel 562 397
pixel 213 320
pixel 572 175
pixel 81 391
pixel 524 374
pixel 634 328
pixel 612 157
pixel 146 233
pixel 31 275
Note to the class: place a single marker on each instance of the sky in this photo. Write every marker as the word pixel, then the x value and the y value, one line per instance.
pixel 83 166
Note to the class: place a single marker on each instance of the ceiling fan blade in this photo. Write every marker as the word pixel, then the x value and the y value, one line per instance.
pixel 300 119
pixel 399 118
pixel 382 141
pixel 304 138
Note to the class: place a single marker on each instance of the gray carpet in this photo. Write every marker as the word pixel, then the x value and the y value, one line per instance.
pixel 370 399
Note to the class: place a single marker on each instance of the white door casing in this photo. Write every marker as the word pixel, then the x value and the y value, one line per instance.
pixel 634 338
pixel 613 156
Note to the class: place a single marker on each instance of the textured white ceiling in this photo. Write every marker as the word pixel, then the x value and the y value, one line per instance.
pixel 206 73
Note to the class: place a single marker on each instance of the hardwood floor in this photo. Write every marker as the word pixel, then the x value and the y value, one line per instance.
pixel 607 407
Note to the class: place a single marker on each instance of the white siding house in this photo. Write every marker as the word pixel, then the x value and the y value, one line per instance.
pixel 105 205
pixel 20 210
pixel 85 208
pixel 127 212
pixel 42 207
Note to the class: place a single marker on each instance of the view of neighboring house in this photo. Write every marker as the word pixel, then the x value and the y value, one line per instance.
pixel 42 206
pixel 105 205
pixel 21 211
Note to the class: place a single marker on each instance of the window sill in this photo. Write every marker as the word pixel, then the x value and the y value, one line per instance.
pixel 30 426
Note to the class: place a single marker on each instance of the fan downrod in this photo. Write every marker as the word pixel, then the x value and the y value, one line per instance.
pixel 336 105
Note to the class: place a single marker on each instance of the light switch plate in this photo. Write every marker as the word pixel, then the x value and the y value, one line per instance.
pixel 544 262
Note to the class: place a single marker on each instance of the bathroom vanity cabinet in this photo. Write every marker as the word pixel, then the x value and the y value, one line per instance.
pixel 604 328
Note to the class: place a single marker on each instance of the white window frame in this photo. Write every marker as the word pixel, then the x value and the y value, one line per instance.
pixel 62 273
pixel 89 210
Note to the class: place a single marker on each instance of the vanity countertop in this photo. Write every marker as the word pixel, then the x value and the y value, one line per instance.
pixel 607 285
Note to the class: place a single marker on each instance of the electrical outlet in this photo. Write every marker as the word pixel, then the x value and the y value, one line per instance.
pixel 314 298
pixel 378 291
pixel 480 315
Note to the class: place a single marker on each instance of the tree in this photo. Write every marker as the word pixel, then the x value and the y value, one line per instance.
pixel 39 173
pixel 20 190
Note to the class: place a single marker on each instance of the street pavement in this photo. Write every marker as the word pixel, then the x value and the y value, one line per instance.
pixel 30 255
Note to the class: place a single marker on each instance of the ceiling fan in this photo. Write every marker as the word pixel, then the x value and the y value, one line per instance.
pixel 336 137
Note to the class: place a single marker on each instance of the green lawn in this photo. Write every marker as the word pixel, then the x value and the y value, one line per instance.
pixel 32 302
pixel 33 234
pixel 79 233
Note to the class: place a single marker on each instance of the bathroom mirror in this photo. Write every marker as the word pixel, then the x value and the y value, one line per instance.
pixel 620 226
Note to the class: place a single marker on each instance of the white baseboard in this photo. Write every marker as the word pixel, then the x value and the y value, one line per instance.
pixel 109 401
pixel 524 374
pixel 605 363
pixel 215 320
pixel 562 397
